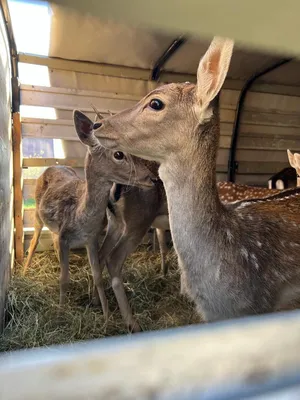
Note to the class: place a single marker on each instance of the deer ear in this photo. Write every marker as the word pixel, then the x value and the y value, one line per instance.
pixel 297 159
pixel 291 158
pixel 84 129
pixel 212 70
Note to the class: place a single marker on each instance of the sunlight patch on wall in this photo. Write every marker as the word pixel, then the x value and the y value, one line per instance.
pixel 37 112
pixel 31 21
pixel 31 74
pixel 58 149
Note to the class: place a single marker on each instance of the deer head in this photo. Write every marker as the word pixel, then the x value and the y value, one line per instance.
pixel 162 123
pixel 116 166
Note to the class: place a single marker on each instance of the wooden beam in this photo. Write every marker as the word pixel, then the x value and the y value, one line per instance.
pixel 48 162
pixel 102 69
pixel 17 182
pixel 69 99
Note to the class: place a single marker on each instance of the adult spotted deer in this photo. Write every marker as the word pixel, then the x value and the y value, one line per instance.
pixel 74 210
pixel 294 160
pixel 236 259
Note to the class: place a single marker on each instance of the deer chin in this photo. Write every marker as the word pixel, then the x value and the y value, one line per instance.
pixel 146 183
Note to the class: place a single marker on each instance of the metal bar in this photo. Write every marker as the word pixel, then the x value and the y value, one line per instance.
pixel 168 53
pixel 232 166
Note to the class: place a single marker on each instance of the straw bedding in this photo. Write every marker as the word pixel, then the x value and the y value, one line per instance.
pixel 34 318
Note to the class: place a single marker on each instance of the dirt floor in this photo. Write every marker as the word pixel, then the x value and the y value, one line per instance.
pixel 33 317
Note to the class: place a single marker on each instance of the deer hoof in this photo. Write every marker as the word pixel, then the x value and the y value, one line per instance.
pixel 134 328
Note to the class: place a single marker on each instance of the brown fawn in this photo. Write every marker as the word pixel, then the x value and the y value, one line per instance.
pixel 74 210
pixel 236 259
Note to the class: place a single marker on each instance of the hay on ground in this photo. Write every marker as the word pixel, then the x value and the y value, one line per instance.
pixel 33 317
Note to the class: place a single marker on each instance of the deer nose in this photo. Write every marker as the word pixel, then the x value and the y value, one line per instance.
pixel 97 125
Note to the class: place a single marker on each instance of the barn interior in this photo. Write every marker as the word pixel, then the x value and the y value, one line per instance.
pixel 55 60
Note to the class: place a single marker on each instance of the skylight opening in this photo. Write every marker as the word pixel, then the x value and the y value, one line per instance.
pixel 31 22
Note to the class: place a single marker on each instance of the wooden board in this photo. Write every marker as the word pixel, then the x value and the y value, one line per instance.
pixel 77 75
pixel 18 198
pixel 265 102
pixel 249 138
pixel 69 99
pixel 47 162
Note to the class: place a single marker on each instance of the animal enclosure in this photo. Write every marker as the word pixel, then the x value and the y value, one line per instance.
pixel 66 59
pixel 113 74
pixel 6 167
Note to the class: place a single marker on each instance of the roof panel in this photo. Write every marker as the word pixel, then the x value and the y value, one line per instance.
pixel 90 39
pixel 84 37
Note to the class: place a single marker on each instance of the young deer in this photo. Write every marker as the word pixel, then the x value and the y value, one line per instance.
pixel 74 210
pixel 134 212
pixel 294 160
pixel 236 259
pixel 137 212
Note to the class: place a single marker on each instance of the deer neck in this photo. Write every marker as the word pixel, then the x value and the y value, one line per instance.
pixel 96 192
pixel 193 201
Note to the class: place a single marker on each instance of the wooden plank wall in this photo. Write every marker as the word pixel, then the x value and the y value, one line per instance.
pixel 270 123
pixel 6 187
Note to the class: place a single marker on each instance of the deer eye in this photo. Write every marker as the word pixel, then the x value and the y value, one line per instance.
pixel 156 104
pixel 118 155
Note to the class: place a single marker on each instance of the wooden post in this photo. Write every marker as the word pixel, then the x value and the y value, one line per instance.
pixel 17 181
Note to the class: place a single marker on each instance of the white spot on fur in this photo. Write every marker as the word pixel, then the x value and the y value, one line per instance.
pixel 254 259
pixel 293 244
pixel 229 235
pixel 250 217
pixel 244 252
pixel 259 244
pixel 217 273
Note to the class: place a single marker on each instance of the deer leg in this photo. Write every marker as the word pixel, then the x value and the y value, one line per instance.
pixel 183 280
pixel 161 236
pixel 55 245
pixel 63 251
pixel 114 266
pixel 114 233
pixel 38 226
pixel 183 286
pixel 97 270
